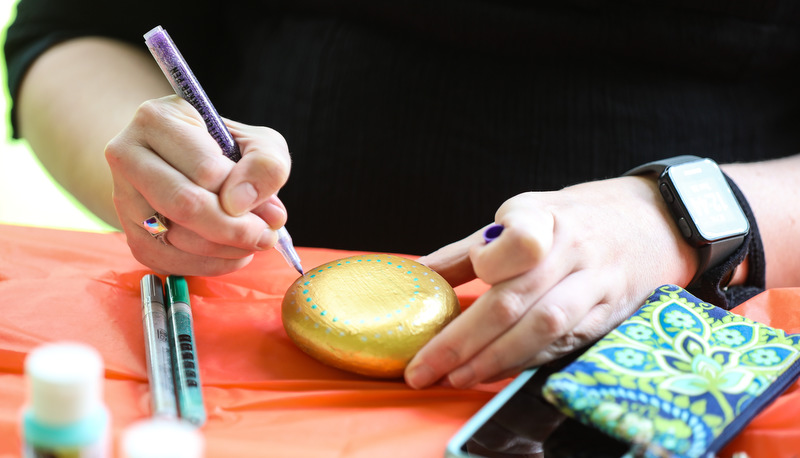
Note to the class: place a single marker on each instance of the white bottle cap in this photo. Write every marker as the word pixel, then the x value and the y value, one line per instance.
pixel 162 438
pixel 65 381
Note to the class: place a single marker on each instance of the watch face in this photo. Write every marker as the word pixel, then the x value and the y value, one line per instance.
pixel 708 200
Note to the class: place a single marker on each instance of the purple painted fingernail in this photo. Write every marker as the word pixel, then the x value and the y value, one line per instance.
pixel 492 232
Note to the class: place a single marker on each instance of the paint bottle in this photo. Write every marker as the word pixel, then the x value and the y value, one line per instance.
pixel 161 437
pixel 65 416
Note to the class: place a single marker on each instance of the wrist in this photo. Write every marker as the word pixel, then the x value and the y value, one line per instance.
pixel 685 260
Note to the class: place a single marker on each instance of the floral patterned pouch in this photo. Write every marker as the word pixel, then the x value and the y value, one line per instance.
pixel 678 378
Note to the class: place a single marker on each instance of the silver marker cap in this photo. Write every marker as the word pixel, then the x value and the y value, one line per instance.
pixel 152 289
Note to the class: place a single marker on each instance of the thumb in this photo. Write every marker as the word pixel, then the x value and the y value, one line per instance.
pixel 253 180
pixel 262 171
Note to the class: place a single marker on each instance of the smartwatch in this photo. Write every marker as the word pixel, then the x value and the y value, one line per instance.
pixel 703 206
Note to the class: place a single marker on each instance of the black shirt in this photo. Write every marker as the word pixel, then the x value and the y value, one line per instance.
pixel 409 123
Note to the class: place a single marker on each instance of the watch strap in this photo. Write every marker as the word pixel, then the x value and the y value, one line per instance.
pixel 718 261
pixel 714 254
pixel 712 287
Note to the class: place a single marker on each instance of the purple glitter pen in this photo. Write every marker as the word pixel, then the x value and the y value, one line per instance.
pixel 183 81
pixel 185 84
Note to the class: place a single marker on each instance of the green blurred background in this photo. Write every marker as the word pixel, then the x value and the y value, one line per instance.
pixel 28 195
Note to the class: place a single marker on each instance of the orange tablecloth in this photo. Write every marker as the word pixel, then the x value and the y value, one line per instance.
pixel 264 396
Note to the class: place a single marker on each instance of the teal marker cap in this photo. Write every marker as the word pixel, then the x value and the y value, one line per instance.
pixel 177 289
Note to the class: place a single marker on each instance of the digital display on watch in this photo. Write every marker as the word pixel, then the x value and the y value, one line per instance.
pixel 707 199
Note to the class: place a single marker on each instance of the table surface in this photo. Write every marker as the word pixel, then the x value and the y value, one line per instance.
pixel 264 396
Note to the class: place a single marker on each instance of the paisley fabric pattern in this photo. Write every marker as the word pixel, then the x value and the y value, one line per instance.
pixel 677 375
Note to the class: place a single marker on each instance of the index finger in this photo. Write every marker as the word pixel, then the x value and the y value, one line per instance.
pixel 490 316
pixel 173 130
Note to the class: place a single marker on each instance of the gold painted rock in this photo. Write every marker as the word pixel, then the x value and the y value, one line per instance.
pixel 368 314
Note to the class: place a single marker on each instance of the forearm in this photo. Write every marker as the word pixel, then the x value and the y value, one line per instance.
pixel 73 100
pixel 773 192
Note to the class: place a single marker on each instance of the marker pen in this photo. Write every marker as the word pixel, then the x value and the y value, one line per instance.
pixel 186 373
pixel 185 84
pixel 157 349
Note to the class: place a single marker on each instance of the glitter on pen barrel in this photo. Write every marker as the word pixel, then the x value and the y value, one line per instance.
pixel 185 84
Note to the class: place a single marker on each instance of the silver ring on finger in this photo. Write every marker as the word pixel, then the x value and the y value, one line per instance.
pixel 157 226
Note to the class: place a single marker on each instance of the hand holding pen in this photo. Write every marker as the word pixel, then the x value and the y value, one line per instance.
pixel 168 162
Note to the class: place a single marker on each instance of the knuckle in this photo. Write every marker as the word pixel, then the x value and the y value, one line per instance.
pixel 566 344
pixel 275 136
pixel 556 350
pixel 155 114
pixel 451 356
pixel 148 113
pixel 113 151
pixel 187 203
pixel 243 232
pixel 277 170
pixel 278 145
pixel 208 173
pixel 494 361
pixel 443 360
pixel 241 235
pixel 447 354
pixel 554 320
pixel 118 151
pixel 508 308
pixel 531 245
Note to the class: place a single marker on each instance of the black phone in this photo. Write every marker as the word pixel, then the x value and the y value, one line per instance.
pixel 518 422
